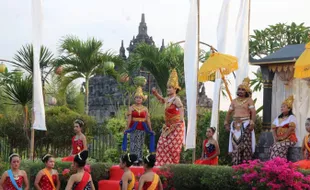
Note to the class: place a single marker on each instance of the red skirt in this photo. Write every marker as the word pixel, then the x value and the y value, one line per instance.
pixel 303 164
pixel 213 161
pixel 68 159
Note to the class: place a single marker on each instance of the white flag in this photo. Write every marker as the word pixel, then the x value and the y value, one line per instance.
pixel 190 70
pixel 222 31
pixel 38 103
pixel 242 41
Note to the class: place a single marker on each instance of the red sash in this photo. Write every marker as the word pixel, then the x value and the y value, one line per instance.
pixel 83 182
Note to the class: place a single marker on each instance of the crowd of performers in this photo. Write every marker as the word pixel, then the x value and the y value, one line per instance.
pixel 241 142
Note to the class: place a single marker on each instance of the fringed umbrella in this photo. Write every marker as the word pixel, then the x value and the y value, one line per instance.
pixel 302 65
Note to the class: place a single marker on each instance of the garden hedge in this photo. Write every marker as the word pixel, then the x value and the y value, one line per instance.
pixel 183 176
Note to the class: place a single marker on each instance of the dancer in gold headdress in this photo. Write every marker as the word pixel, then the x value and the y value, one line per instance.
pixel 242 137
pixel 138 123
pixel 284 130
pixel 169 145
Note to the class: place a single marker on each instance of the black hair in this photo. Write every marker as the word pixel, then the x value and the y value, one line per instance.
pixel 129 159
pixel 308 119
pixel 290 112
pixel 12 155
pixel 80 122
pixel 247 94
pixel 213 129
pixel 81 158
pixel 177 91
pixel 46 157
pixel 150 160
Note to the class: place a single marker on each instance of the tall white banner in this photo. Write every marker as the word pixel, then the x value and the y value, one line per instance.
pixel 242 41
pixel 190 70
pixel 38 102
pixel 222 31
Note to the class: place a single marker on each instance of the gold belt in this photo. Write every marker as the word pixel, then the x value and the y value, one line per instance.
pixel 241 118
pixel 138 119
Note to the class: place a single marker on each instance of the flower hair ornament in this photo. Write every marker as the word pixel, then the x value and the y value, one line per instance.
pixel 14 154
pixel 46 156
pixel 79 155
pixel 128 156
pixel 79 121
pixel 147 158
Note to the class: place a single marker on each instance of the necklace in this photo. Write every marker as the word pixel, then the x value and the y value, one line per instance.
pixel 241 101
pixel 16 176
pixel 139 109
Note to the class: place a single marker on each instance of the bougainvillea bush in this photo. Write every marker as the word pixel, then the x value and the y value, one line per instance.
pixel 273 174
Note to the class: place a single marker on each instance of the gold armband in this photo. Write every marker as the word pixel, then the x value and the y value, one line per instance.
pixel 292 125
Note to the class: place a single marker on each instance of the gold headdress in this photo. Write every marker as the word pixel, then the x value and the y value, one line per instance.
pixel 289 102
pixel 139 93
pixel 246 85
pixel 173 80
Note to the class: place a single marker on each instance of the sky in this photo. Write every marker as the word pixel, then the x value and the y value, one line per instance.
pixel 113 21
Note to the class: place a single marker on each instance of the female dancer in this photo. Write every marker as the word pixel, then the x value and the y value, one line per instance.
pixel 210 149
pixel 81 180
pixel 284 130
pixel 79 142
pixel 138 123
pixel 169 145
pixel 128 179
pixel 305 163
pixel 14 179
pixel 150 180
pixel 47 179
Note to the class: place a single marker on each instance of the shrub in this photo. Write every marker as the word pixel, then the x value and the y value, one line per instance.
pixel 273 174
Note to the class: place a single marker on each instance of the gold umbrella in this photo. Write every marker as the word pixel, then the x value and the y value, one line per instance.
pixel 302 65
pixel 223 63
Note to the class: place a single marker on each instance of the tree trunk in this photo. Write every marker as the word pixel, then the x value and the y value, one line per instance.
pixel 25 128
pixel 86 95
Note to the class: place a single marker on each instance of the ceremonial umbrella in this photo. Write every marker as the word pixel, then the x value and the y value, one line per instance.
pixel 218 62
pixel 302 65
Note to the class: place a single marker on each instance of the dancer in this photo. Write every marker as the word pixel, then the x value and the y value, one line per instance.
pixel 305 163
pixel 47 179
pixel 14 178
pixel 138 123
pixel 128 179
pixel 150 180
pixel 242 136
pixel 169 145
pixel 210 149
pixel 82 180
pixel 79 142
pixel 284 130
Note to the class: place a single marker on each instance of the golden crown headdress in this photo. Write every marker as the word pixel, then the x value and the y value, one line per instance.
pixel 173 80
pixel 246 85
pixel 139 93
pixel 289 102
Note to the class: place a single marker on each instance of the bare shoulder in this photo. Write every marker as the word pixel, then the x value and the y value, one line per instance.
pixel 23 172
pixel 250 100
pixel 55 172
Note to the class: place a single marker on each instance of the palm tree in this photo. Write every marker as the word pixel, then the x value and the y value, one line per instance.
pixel 19 92
pixel 84 59
pixel 158 62
pixel 24 59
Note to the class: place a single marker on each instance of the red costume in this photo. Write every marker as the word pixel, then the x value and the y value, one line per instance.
pixel 77 147
pixel 169 145
pixel 46 184
pixel 208 151
pixel 305 164
pixel 146 185
pixel 7 185
pixel 140 117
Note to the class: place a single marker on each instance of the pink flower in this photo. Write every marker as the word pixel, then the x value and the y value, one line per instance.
pixel 65 172
pixel 87 168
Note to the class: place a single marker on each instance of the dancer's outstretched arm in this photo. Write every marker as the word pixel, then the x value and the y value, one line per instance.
pixel 159 97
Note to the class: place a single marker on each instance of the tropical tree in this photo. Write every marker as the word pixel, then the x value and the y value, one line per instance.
pixel 84 59
pixel 158 63
pixel 269 40
pixel 19 93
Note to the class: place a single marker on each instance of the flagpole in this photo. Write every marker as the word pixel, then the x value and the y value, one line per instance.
pixel 198 42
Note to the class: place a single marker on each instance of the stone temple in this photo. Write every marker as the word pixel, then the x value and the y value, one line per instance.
pixel 104 96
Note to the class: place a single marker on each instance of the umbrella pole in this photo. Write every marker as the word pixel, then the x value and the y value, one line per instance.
pixel 226 85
